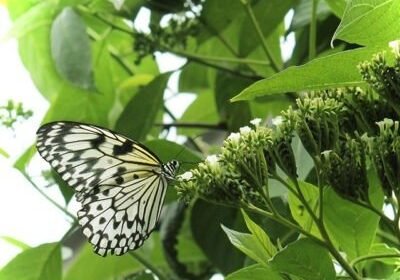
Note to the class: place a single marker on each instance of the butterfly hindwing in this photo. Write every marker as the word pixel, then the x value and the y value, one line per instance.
pixel 120 183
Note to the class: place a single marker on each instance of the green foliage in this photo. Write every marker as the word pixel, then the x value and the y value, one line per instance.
pixel 42 262
pixel 306 181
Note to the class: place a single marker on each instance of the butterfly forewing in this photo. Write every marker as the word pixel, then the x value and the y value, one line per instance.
pixel 120 183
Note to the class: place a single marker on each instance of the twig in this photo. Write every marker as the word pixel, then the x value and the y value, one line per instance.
pixel 257 27
pixel 220 126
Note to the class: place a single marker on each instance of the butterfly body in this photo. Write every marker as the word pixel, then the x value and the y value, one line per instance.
pixel 120 183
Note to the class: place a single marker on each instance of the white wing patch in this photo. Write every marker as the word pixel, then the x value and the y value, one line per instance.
pixel 120 184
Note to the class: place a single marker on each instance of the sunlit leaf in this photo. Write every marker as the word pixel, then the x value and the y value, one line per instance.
pixel 306 260
pixel 339 70
pixel 255 272
pixel 356 26
pixel 73 61
pixel 42 262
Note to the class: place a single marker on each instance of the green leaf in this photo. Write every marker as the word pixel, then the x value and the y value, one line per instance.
pixel 17 243
pixel 105 268
pixel 352 227
pixel 305 259
pixel 384 249
pixel 269 14
pixel 4 153
pixel 70 48
pixel 342 71
pixel 205 223
pixel 202 110
pixel 75 104
pixel 25 158
pixel 194 77
pixel 215 16
pixel 248 244
pixel 255 272
pixel 299 213
pixel 42 262
pixel 66 191
pixel 260 236
pixel 303 11
pixel 33 17
pixel 140 113
pixel 337 6
pixel 356 26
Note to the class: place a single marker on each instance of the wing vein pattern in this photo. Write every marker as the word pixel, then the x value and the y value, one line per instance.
pixel 120 184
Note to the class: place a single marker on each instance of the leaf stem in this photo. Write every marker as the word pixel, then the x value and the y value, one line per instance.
pixel 313 31
pixel 195 58
pixel 224 59
pixel 370 257
pixel 48 198
pixel 257 27
pixel 148 265
pixel 220 126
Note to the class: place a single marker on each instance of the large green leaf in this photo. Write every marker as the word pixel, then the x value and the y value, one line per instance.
pixel 205 223
pixel 202 110
pixel 337 6
pixel 352 227
pixel 42 262
pixel 269 14
pixel 339 70
pixel 140 113
pixel 255 272
pixel 356 26
pixel 194 77
pixel 305 259
pixel 70 48
pixel 298 210
pixel 88 265
pixel 247 244
pixel 260 236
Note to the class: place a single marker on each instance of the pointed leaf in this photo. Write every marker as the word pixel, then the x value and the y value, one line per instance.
pixel 356 26
pixel 255 272
pixel 260 236
pixel 247 244
pixel 140 113
pixel 339 70
pixel 42 262
pixel 305 259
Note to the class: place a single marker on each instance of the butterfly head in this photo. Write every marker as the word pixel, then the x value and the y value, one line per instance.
pixel 170 169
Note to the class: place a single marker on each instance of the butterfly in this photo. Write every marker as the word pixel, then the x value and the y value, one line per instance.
pixel 119 183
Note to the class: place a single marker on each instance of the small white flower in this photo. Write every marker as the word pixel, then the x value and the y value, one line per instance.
pixel 256 121
pixel 234 137
pixel 395 45
pixel 212 160
pixel 186 176
pixel 245 130
pixel 277 120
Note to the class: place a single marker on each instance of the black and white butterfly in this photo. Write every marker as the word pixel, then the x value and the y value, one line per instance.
pixel 120 183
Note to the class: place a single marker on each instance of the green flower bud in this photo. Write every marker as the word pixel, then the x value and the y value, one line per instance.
pixel 345 170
